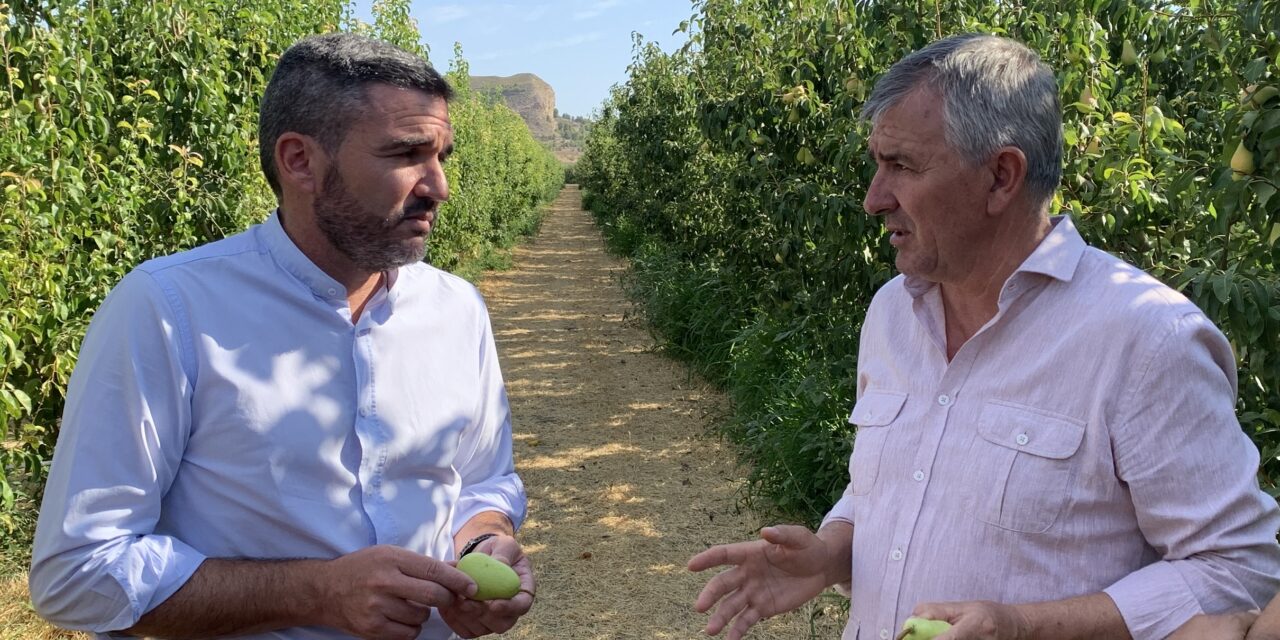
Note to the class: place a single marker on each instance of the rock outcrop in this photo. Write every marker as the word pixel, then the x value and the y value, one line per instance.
pixel 527 95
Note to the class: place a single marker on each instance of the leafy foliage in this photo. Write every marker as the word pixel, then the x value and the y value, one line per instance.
pixel 733 171
pixel 132 133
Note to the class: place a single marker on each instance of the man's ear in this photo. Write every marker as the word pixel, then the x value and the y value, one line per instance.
pixel 1009 170
pixel 300 163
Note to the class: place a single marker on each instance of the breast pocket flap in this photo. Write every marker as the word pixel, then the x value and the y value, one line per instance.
pixel 1034 431
pixel 877 408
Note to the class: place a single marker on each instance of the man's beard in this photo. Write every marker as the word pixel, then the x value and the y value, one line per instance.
pixel 364 238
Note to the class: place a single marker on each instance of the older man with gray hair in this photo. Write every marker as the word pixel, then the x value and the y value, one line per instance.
pixel 1046 438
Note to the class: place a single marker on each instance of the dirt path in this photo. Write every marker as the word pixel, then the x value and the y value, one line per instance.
pixel 624 481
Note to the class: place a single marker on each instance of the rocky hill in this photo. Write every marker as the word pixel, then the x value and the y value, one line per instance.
pixel 527 95
pixel 535 101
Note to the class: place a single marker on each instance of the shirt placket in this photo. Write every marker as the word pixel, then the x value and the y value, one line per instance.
pixel 919 476
pixel 371 433
pixel 920 471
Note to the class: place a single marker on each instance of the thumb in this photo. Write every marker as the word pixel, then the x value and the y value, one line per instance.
pixel 937 611
pixel 789 536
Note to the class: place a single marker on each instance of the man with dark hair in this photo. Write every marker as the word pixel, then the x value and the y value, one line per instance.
pixel 290 433
pixel 1046 440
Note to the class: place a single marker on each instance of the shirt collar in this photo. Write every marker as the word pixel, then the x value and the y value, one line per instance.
pixel 1056 256
pixel 288 255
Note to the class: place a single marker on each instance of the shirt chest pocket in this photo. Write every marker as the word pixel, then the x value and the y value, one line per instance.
pixel 1023 466
pixel 873 414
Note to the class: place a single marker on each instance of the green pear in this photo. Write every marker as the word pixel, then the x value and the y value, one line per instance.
pixel 1241 162
pixel 1087 101
pixel 1128 54
pixel 923 629
pixel 494 580
pixel 1253 98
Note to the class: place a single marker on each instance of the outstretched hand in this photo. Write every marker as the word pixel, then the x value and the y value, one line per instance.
pixel 785 569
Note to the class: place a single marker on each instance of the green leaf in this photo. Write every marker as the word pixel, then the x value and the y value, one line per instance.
pixel 1221 288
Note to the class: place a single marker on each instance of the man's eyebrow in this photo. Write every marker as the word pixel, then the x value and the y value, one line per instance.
pixel 404 143
pixel 889 157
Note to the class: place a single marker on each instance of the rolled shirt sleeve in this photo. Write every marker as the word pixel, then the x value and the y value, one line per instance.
pixel 96 565
pixel 485 461
pixel 1192 475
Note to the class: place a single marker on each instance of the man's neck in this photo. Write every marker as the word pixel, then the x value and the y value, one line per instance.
pixel 360 284
pixel 969 303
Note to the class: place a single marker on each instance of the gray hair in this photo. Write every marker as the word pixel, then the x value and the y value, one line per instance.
pixel 320 85
pixel 995 92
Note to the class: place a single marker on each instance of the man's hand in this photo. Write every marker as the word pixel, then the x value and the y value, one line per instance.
pixel 473 618
pixel 977 620
pixel 387 592
pixel 1267 626
pixel 1226 626
pixel 784 570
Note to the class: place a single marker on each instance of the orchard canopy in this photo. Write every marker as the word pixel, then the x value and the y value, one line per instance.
pixel 732 171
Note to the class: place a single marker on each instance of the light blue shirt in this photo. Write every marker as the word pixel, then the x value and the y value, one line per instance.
pixel 224 405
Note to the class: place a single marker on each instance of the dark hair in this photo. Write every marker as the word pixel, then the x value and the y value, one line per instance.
pixel 320 86
pixel 995 92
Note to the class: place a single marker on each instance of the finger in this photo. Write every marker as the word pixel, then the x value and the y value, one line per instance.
pixel 1243 619
pixel 743 624
pixel 514 607
pixel 422 591
pixel 724 554
pixel 504 549
pixel 493 623
pixel 432 570
pixel 524 570
pixel 788 535
pixel 726 611
pixel 937 611
pixel 462 617
pixel 396 630
pixel 406 612
pixel 725 582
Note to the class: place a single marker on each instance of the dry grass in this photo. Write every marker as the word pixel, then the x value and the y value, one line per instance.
pixel 18 621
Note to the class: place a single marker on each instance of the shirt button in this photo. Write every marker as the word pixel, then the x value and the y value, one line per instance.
pixel 944 399
pixel 918 476
pixel 363 412
pixel 896 555
pixel 884 633
pixel 333 292
pixel 1022 439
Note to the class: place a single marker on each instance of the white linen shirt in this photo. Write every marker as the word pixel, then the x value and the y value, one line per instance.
pixel 224 405
pixel 1083 441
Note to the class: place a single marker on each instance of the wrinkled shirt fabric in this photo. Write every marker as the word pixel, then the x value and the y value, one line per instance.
pixel 1084 440
pixel 225 405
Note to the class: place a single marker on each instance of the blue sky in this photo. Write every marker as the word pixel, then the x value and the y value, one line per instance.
pixel 580 47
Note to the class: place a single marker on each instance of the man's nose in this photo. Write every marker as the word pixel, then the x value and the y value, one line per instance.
pixel 879 199
pixel 433 183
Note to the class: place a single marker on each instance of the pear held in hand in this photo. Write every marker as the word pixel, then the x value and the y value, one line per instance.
pixel 494 580
pixel 923 629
